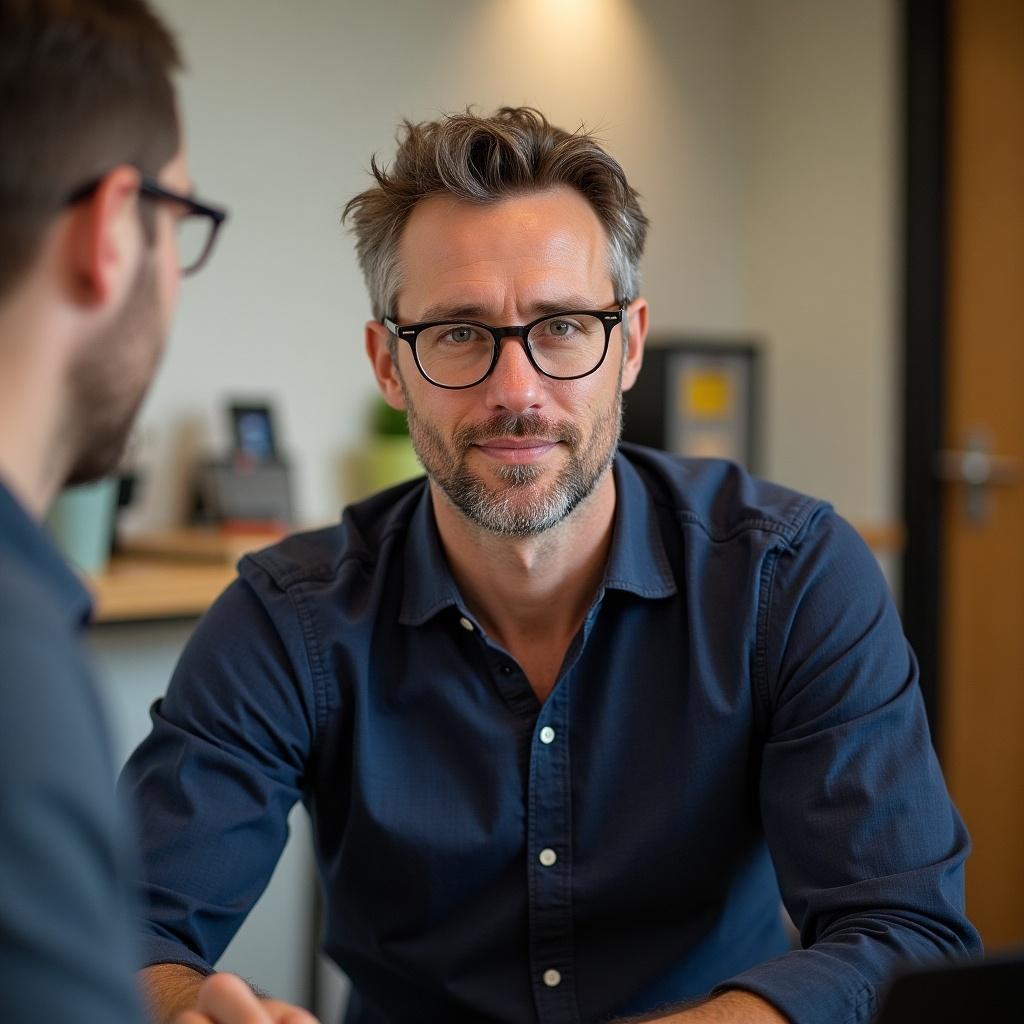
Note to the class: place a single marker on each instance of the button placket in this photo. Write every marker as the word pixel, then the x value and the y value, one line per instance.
pixel 510 682
pixel 549 838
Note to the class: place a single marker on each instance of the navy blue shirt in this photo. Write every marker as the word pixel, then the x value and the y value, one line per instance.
pixel 66 932
pixel 738 714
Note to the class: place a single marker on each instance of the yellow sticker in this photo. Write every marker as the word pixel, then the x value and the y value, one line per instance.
pixel 708 395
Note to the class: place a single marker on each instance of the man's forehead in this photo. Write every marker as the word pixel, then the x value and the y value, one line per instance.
pixel 525 212
pixel 541 245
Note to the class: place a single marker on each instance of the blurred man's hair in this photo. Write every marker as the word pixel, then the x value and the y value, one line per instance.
pixel 85 85
pixel 484 160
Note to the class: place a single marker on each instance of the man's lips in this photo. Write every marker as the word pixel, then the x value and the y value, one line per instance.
pixel 516 449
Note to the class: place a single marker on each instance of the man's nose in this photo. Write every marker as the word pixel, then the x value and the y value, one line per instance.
pixel 515 385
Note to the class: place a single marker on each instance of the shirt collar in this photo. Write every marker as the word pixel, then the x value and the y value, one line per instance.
pixel 24 540
pixel 428 585
pixel 636 563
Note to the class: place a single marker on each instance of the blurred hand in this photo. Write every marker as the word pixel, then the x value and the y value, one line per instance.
pixel 226 999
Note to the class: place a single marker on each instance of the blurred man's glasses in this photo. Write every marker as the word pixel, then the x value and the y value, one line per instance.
pixel 462 353
pixel 197 222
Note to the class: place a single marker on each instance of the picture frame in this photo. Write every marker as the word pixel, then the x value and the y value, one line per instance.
pixel 699 397
pixel 252 429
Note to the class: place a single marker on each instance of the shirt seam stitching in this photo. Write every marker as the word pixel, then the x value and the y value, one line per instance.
pixel 317 674
pixel 322 572
pixel 764 611
pixel 789 531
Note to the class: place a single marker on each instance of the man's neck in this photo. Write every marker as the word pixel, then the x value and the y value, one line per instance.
pixel 33 448
pixel 535 589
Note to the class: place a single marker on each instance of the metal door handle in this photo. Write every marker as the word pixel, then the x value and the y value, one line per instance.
pixel 978 469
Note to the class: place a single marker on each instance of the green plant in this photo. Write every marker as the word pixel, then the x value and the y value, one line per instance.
pixel 388 422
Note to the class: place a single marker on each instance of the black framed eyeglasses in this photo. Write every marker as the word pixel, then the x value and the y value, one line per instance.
pixel 196 227
pixel 459 354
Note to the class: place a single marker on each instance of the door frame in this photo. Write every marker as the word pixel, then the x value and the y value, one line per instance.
pixel 925 239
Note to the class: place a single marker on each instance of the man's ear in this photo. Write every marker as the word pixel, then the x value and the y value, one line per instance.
pixel 635 336
pixel 379 342
pixel 104 239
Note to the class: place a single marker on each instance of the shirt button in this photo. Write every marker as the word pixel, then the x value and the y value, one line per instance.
pixel 552 978
pixel 506 670
pixel 547 734
pixel 547 858
pixel 466 624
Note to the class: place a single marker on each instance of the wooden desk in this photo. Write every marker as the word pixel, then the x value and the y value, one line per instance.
pixel 174 574
pixel 135 589
pixel 883 538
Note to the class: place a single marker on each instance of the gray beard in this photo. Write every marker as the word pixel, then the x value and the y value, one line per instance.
pixel 519 508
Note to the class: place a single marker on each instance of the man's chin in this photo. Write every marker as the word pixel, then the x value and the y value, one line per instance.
pixel 509 508
pixel 101 459
pixel 517 476
pixel 88 472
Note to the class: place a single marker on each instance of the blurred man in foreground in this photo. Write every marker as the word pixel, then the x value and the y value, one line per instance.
pixel 97 222
pixel 567 714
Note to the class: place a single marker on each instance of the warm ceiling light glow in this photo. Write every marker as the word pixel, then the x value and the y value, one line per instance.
pixel 568 15
pixel 575 60
pixel 570 6
pixel 563 28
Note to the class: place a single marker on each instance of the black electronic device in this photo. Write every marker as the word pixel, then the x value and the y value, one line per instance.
pixel 252 485
pixel 990 990
pixel 252 428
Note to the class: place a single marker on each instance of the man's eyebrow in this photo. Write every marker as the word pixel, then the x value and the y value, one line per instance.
pixel 565 304
pixel 475 311
pixel 444 311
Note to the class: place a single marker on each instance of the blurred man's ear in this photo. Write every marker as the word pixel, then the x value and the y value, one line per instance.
pixel 379 342
pixel 103 240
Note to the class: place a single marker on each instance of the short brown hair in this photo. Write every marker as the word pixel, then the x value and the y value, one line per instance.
pixel 484 160
pixel 84 85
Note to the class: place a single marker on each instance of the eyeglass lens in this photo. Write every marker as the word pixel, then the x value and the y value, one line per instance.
pixel 195 233
pixel 460 354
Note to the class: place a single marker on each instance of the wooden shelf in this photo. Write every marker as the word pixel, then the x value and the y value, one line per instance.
pixel 175 574
pixel 883 538
pixel 134 589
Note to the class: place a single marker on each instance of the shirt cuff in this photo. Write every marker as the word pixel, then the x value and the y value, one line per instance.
pixel 809 987
pixel 156 949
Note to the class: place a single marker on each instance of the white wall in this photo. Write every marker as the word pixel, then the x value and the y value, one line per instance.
pixel 821 242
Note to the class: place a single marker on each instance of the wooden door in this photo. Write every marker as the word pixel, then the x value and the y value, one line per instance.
pixel 982 635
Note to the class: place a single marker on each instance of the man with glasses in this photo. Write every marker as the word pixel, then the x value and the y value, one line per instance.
pixel 97 221
pixel 567 715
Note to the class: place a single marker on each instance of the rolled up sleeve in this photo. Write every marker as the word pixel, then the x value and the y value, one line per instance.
pixel 867 845
pixel 214 781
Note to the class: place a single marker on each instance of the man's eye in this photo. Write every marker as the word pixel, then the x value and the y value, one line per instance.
pixel 461 334
pixel 559 330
